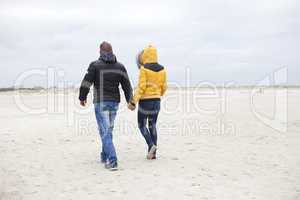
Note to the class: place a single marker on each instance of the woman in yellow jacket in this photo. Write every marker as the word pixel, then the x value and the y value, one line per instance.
pixel 152 85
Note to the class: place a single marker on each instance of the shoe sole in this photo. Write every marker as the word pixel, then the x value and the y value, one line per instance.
pixel 151 152
pixel 110 168
pixel 113 169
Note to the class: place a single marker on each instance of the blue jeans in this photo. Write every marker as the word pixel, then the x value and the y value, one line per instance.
pixel 106 112
pixel 148 112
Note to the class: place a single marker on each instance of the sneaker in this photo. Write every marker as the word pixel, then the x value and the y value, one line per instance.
pixel 154 156
pixel 112 166
pixel 151 153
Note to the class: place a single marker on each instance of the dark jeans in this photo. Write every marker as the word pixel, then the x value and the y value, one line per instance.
pixel 148 112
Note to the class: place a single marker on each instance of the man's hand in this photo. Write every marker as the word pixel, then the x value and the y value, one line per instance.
pixel 131 106
pixel 82 103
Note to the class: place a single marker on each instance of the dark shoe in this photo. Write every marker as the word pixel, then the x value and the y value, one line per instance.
pixel 112 166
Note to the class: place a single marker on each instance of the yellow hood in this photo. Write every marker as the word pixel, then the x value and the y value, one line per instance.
pixel 149 55
pixel 152 79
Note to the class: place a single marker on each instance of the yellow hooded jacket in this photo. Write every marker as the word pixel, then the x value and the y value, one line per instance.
pixel 152 79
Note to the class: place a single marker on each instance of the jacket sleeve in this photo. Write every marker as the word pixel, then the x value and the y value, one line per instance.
pixel 87 82
pixel 164 84
pixel 140 90
pixel 126 86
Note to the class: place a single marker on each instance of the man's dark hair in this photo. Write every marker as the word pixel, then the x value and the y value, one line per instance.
pixel 106 47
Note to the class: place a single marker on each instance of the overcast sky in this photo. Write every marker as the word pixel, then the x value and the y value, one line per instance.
pixel 218 41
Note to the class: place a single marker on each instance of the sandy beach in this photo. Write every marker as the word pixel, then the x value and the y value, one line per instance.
pixel 210 147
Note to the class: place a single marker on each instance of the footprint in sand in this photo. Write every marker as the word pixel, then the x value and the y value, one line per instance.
pixel 296 123
pixel 195 184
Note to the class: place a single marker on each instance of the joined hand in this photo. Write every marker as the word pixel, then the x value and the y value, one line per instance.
pixel 131 106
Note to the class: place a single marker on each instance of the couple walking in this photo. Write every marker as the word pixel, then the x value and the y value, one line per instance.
pixel 106 74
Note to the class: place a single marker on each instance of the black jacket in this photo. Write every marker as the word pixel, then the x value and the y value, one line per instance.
pixel 106 77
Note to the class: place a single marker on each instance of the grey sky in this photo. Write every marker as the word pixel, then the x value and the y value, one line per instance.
pixel 219 41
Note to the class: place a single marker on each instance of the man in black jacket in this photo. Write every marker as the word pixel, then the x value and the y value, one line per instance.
pixel 105 74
